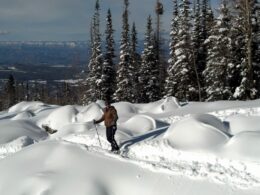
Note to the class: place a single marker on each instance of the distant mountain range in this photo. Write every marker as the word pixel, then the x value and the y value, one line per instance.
pixel 50 52
pixel 47 60
pixel 44 52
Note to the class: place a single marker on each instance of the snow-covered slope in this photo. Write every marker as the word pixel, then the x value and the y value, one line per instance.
pixel 167 147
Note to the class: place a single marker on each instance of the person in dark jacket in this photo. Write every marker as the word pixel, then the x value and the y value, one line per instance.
pixel 110 118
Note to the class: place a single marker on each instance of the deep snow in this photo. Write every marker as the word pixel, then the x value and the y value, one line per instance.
pixel 167 147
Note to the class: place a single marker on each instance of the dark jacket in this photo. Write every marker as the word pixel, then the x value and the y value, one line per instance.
pixel 110 116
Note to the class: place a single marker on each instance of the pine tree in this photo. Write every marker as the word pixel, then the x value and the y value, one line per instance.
pixel 250 56
pixel 124 91
pixel 171 84
pixel 159 48
pixel 95 65
pixel 136 64
pixel 205 22
pixel 66 94
pixel 185 77
pixel 27 93
pixel 197 43
pixel 109 72
pixel 255 7
pixel 197 35
pixel 219 58
pixel 238 47
pixel 10 92
pixel 149 72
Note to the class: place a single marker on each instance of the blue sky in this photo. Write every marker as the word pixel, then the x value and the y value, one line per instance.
pixel 65 20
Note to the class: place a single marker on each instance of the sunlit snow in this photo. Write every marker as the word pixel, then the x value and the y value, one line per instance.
pixel 167 147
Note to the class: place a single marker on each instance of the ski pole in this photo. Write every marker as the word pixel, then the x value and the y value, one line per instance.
pixel 98 135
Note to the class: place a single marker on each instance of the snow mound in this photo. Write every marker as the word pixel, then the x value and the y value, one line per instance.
pixel 75 128
pixel 89 113
pixel 24 106
pixel 243 146
pixel 11 130
pixel 168 104
pixel 60 117
pixel 138 124
pixel 15 146
pixel 23 115
pixel 199 132
pixel 65 169
pixel 60 169
pixel 124 108
pixel 241 123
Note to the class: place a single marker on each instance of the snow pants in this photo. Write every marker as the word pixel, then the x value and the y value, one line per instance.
pixel 110 131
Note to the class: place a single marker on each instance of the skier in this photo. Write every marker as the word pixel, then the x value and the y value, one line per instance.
pixel 110 117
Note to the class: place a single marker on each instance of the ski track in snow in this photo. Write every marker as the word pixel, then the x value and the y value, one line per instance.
pixel 147 156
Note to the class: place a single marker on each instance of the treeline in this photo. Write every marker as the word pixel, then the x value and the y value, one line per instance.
pixel 62 93
pixel 211 58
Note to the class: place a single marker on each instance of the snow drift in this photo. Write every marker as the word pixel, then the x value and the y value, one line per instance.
pixel 201 132
pixel 11 130
pixel 60 117
pixel 243 146
pixel 242 123
pixel 168 104
pixel 138 124
pixel 167 148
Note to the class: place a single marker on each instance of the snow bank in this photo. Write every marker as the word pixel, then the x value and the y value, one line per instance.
pixel 75 128
pixel 89 113
pixel 11 130
pixel 199 132
pixel 242 123
pixel 60 117
pixel 168 104
pixel 243 146
pixel 138 124
pixel 195 153
pixel 24 106
pixel 65 169
pixel 15 146
pixel 125 108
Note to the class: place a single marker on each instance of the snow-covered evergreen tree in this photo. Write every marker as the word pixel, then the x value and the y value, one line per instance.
pixel 238 53
pixel 207 19
pixel 171 83
pixel 203 23
pixel 149 72
pixel 197 36
pixel 184 73
pixel 197 43
pixel 109 73
pixel 124 91
pixel 136 63
pixel 93 80
pixel 255 7
pixel 247 12
pixel 219 58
